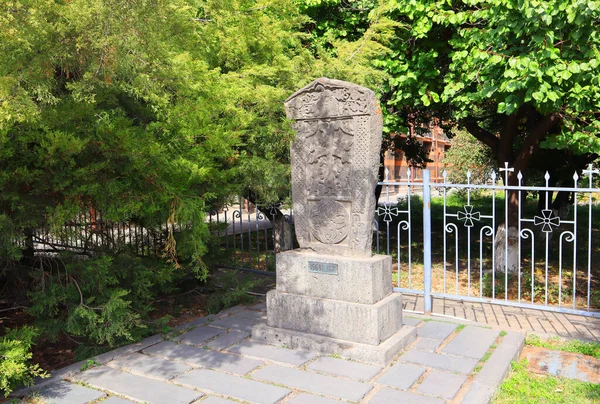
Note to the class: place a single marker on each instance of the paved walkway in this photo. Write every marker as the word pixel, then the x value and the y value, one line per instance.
pixel 213 361
pixel 539 322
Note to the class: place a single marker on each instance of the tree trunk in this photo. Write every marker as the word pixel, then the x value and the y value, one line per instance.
pixel 284 235
pixel 506 242
pixel 380 176
pixel 28 254
pixel 283 230
pixel 506 248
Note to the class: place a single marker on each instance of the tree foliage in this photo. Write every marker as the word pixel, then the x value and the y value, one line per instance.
pixel 15 351
pixel 467 154
pixel 94 95
pixel 514 73
pixel 150 112
pixel 517 74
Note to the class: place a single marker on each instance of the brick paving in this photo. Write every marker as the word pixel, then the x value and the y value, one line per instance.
pixel 214 361
pixel 539 322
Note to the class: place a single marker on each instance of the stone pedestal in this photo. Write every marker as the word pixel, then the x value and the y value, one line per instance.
pixel 335 305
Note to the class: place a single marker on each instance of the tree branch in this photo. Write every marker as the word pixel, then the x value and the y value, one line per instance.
pixel 481 134
pixel 507 137
pixel 532 142
pixel 14 308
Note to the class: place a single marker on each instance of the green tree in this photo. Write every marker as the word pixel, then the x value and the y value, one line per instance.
pixel 102 106
pixel 468 154
pixel 264 55
pixel 152 112
pixel 521 76
pixel 518 75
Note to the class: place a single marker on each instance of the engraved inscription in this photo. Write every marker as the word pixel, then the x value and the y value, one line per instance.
pixel 322 268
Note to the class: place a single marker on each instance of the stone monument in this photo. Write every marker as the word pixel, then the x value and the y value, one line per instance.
pixel 332 294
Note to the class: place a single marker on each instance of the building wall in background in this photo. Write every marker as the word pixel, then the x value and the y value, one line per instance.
pixel 435 142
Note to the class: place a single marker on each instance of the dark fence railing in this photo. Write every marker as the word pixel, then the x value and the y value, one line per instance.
pixel 90 232
pixel 244 238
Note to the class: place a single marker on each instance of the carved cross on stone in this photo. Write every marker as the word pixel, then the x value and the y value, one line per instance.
pixel 335 159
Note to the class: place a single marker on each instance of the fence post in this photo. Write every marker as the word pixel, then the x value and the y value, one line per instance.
pixel 426 242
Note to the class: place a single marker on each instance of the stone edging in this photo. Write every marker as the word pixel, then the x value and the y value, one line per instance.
pixel 495 369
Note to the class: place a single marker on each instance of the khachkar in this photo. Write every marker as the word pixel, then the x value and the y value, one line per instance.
pixel 332 295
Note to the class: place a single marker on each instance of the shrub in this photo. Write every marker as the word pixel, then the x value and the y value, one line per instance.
pixel 15 352
pixel 104 300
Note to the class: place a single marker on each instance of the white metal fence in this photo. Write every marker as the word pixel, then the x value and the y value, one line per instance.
pixel 455 246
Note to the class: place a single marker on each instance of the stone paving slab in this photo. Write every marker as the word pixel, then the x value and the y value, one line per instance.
pixel 438 372
pixel 236 323
pixel 340 367
pixel 442 384
pixel 200 321
pixel 226 340
pixel 232 386
pixel 216 400
pixel 519 319
pixel 391 396
pixel 230 311
pixel 199 335
pixel 253 315
pixel 206 358
pixel 494 370
pixel 116 400
pixel 68 393
pixel 127 349
pixel 563 364
pixel 313 382
pixel 304 398
pixel 401 375
pixel 262 306
pixel 472 342
pixel 436 330
pixel 149 366
pixel 136 387
pixel 411 321
pixel 277 354
pixel 427 344
pixel 446 362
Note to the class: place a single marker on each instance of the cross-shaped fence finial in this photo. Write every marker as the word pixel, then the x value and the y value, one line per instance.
pixel 590 172
pixel 506 171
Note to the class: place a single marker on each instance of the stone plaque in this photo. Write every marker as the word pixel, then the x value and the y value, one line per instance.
pixel 322 268
pixel 335 159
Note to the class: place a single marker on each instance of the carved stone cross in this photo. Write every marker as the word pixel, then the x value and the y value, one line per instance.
pixel 335 159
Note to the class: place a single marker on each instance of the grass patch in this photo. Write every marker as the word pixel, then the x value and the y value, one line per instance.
pixel 90 363
pixel 524 387
pixel 485 358
pixel 460 328
pixel 575 346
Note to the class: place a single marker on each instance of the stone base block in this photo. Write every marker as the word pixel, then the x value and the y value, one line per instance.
pixel 381 354
pixel 361 323
pixel 358 280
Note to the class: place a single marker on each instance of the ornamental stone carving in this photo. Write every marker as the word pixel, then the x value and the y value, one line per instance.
pixel 335 159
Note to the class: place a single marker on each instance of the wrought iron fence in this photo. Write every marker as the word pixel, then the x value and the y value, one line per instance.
pixel 544 261
pixel 91 232
pixel 247 239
